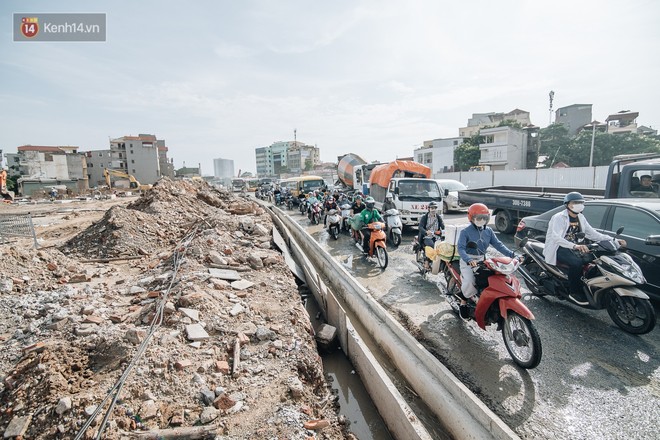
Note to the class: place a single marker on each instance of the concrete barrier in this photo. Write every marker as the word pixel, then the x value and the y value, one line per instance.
pixel 344 300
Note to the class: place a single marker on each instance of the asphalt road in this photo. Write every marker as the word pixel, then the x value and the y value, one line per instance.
pixel 594 381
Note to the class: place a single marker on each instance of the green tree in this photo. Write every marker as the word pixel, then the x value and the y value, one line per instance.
pixel 309 164
pixel 606 146
pixel 466 155
pixel 555 144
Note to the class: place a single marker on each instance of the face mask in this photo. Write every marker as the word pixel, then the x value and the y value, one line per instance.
pixel 480 223
pixel 577 208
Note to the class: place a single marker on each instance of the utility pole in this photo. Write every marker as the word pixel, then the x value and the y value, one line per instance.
pixel 294 136
pixel 552 96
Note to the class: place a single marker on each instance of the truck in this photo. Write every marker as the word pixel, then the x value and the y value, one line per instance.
pixel 411 187
pixel 353 172
pixel 511 203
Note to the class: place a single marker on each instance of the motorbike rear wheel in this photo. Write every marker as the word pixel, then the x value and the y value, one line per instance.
pixel 334 231
pixel 522 340
pixel 633 315
pixel 315 218
pixel 381 256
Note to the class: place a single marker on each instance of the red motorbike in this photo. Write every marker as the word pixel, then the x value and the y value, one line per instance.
pixel 498 303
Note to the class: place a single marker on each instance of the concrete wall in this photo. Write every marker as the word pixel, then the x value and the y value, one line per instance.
pixel 142 161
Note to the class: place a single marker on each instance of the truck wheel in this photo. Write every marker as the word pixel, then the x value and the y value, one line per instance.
pixel 503 222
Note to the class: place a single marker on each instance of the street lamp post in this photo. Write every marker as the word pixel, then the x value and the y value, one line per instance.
pixel 593 139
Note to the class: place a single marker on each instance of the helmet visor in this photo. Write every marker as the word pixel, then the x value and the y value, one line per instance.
pixel 481 217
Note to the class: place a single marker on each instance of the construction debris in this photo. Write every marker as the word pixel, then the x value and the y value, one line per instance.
pixel 232 356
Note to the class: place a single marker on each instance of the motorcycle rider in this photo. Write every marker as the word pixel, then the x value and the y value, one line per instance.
pixel 330 203
pixel 430 227
pixel 561 241
pixel 481 234
pixel 311 200
pixel 368 215
pixel 357 206
pixel 389 202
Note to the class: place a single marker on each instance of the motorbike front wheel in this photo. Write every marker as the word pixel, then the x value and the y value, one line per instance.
pixel 522 340
pixel 381 256
pixel 334 231
pixel 633 315
pixel 396 239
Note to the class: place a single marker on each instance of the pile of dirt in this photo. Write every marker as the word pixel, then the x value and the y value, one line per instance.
pixel 234 356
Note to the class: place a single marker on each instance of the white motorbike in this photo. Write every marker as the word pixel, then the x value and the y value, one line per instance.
pixel 333 220
pixel 346 217
pixel 394 226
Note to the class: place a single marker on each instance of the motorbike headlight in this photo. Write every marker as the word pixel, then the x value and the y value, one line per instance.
pixel 378 226
pixel 502 267
pixel 405 212
pixel 626 267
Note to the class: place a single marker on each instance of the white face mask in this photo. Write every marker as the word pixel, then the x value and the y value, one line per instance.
pixel 480 223
pixel 577 208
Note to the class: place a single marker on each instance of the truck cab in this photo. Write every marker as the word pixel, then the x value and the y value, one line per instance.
pixel 412 197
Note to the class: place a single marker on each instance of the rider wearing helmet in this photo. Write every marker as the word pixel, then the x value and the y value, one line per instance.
pixel 484 237
pixel 357 206
pixel 430 226
pixel 330 203
pixel 561 242
pixel 369 215
pixel 389 202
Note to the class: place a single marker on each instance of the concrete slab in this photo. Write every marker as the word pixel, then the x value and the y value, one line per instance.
pixel 241 284
pixel 190 313
pixel 196 332
pixel 225 274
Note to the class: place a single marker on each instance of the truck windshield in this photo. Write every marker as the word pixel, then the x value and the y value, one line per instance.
pixel 420 190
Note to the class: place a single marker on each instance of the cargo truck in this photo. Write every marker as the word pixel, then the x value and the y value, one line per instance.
pixel 354 172
pixel 411 188
pixel 511 203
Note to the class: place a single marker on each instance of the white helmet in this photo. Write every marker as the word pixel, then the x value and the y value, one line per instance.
pixel 388 196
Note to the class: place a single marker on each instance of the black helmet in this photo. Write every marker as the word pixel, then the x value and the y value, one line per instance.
pixel 370 202
pixel 433 205
pixel 573 197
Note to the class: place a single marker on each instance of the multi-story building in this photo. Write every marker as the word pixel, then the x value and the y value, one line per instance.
pixel 483 120
pixel 504 148
pixel 223 171
pixel 137 156
pixel 166 165
pixel 438 154
pixel 97 161
pixel 48 166
pixel 574 117
pixel 622 122
pixel 286 157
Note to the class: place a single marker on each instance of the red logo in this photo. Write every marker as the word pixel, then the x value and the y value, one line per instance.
pixel 29 26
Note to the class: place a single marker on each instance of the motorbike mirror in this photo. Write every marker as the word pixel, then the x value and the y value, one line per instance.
pixel 472 245
pixel 652 240
pixel 446 192
pixel 619 231
pixel 524 241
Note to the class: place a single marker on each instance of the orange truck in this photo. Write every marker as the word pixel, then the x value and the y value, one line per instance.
pixel 411 187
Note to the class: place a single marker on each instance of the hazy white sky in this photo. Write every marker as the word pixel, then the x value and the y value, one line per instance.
pixel 377 78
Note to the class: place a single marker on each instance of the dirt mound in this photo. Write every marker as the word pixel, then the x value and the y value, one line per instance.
pixel 234 355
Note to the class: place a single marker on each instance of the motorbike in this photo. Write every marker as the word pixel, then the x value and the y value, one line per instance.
pixel 345 217
pixel 498 303
pixel 288 201
pixel 314 213
pixel 611 280
pixel 278 199
pixel 394 226
pixel 302 206
pixel 377 246
pixel 333 220
pixel 423 262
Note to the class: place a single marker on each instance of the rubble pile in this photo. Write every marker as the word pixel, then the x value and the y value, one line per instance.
pixel 233 358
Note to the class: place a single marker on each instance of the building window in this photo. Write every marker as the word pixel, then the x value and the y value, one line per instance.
pixel 132 161
pixel 455 142
pixel 100 154
pixel 48 157
pixel 131 151
pixel 90 165
pixel 133 171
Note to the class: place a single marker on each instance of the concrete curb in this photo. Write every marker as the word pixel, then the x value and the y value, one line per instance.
pixel 459 410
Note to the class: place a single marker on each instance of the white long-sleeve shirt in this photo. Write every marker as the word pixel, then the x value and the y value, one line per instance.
pixel 557 229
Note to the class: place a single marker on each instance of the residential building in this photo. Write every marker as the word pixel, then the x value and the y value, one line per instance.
pixel 137 156
pixel 574 117
pixel 42 167
pixel 504 148
pixel 438 154
pixel 165 164
pixel 483 120
pixel 97 161
pixel 622 122
pixel 291 157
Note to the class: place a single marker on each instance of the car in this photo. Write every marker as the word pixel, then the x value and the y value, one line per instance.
pixel 640 219
pixel 450 201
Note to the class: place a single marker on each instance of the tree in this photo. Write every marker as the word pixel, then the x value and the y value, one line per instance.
pixel 466 155
pixel 309 164
pixel 555 144
pixel 606 146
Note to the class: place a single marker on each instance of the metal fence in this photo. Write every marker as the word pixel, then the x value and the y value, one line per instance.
pixel 579 177
pixel 17 225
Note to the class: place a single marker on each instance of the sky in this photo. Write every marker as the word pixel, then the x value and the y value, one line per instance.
pixel 217 79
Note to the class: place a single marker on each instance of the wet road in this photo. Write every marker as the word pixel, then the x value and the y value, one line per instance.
pixel 594 381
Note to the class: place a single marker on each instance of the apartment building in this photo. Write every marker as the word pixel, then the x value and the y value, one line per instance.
pixel 504 148
pixel 483 120
pixel 574 117
pixel 438 154
pixel 286 157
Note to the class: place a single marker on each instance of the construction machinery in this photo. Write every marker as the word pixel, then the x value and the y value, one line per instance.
pixel 7 195
pixel 133 182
